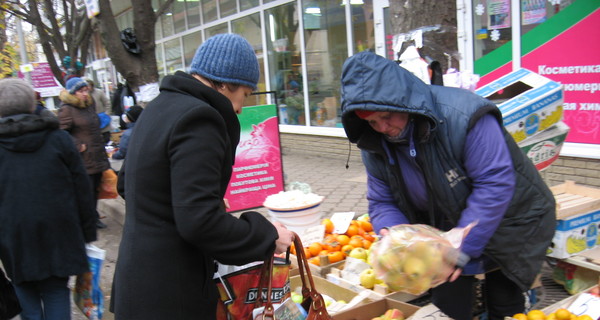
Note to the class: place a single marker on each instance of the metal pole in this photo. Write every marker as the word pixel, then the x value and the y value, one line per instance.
pixel 24 58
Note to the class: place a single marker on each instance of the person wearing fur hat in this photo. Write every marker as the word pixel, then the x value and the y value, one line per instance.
pixel 178 166
pixel 46 208
pixel 129 117
pixel 77 115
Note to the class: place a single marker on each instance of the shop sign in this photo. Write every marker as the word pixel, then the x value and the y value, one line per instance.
pixel 258 170
pixel 43 80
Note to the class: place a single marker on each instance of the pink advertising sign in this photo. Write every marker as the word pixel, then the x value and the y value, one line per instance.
pixel 42 79
pixel 258 171
pixel 572 59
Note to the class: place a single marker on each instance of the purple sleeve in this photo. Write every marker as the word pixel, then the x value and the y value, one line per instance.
pixel 489 165
pixel 383 211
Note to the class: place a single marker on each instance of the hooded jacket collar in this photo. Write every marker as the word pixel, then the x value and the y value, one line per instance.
pixel 72 100
pixel 371 82
pixel 25 132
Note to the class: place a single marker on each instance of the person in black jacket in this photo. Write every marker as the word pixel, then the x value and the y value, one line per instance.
pixel 177 169
pixel 47 212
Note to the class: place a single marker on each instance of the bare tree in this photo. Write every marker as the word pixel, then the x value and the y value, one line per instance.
pixel 137 68
pixel 63 30
pixel 437 21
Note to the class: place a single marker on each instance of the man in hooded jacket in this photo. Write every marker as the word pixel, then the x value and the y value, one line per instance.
pixel 440 156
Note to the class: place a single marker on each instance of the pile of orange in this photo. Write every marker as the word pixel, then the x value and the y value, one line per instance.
pixel 560 314
pixel 337 246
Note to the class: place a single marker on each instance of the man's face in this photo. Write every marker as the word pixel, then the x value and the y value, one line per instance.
pixel 391 124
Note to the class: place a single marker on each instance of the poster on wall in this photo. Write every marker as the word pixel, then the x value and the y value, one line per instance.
pixel 571 59
pixel 534 11
pixel 498 14
pixel 258 170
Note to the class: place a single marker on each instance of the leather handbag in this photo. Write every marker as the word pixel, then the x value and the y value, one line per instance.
pixel 312 301
pixel 9 303
pixel 108 185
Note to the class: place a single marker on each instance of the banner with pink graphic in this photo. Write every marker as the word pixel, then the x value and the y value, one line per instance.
pixel 258 170
pixel 571 58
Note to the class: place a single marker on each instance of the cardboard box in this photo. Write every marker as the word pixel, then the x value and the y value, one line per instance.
pixel 544 148
pixel 316 271
pixel 375 309
pixel 336 292
pixel 578 219
pixel 568 304
pixel 529 102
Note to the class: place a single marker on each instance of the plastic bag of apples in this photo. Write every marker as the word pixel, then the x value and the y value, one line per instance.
pixel 413 258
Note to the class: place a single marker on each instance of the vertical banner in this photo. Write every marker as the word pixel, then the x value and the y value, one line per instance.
pixel 258 170
pixel 43 80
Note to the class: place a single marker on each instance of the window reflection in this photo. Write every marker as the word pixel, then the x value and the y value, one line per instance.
pixel 249 28
pixel 326 50
pixel 191 42
pixel 285 66
pixel 173 56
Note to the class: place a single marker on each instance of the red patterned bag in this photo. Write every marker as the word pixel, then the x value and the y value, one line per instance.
pixel 238 291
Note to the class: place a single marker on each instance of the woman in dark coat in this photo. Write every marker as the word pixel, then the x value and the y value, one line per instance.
pixel 174 179
pixel 77 115
pixel 46 208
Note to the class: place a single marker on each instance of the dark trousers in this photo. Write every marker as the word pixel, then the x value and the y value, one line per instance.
pixel 95 179
pixel 502 297
pixel 45 299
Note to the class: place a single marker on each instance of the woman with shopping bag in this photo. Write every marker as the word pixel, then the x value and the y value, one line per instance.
pixel 173 180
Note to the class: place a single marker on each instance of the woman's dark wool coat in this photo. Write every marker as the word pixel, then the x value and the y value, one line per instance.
pixel 174 178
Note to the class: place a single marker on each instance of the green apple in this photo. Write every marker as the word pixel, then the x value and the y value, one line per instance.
pixel 368 279
pixel 296 297
pixel 359 253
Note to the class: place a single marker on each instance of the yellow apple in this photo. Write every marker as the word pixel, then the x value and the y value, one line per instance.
pixel 368 279
pixel 359 253
pixel 414 267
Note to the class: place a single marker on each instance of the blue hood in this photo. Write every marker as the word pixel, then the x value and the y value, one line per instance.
pixel 371 82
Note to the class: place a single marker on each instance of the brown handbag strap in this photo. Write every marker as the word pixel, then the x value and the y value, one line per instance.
pixel 266 276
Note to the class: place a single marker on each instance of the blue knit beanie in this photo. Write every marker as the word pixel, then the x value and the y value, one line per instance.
pixel 75 84
pixel 227 58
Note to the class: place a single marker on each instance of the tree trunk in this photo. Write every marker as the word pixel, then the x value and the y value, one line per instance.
pixel 437 19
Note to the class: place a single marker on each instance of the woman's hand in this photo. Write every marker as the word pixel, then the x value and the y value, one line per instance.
pixel 82 147
pixel 285 240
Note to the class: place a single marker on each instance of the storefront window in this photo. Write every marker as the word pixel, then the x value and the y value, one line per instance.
pixel 248 4
pixel 535 12
pixel 218 29
pixel 363 26
pixel 227 7
pixel 492 25
pixel 209 10
pixel 191 42
pixel 178 11
pixel 173 56
pixel 285 64
pixel 249 28
pixel 167 24
pixel 326 51
pixel 192 9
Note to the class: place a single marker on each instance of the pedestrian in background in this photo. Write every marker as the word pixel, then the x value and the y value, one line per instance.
pixel 103 109
pixel 77 115
pixel 129 117
pixel 46 207
pixel 440 156
pixel 40 107
pixel 173 180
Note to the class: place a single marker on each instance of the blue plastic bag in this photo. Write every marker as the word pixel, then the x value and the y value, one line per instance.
pixel 88 295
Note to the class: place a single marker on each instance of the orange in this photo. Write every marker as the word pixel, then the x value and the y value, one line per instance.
pixel 316 261
pixel 346 249
pixel 328 225
pixel 563 314
pixel 343 239
pixel 536 315
pixel 352 230
pixel 520 316
pixel 293 249
pixel 307 253
pixel 314 248
pixel 356 241
pixel 366 225
pixel 584 317
pixel 366 244
pixel 335 256
pixel 369 236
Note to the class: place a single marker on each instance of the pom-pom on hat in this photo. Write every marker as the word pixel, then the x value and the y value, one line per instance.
pixel 75 84
pixel 134 113
pixel 227 58
pixel 363 114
